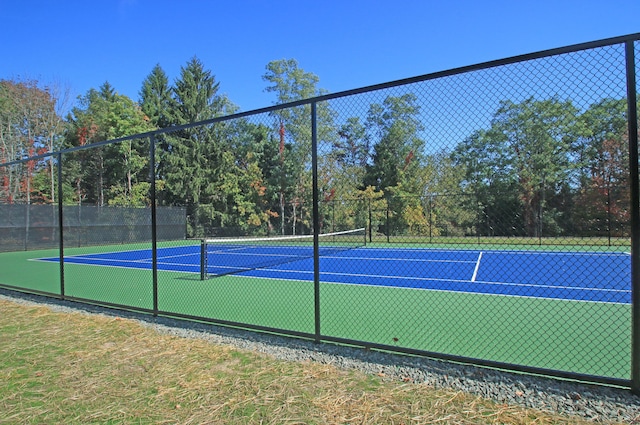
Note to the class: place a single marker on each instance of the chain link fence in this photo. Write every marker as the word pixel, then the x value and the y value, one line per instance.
pixel 483 215
pixel 462 218
pixel 36 226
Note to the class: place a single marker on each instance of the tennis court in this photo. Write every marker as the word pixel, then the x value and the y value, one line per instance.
pixel 579 276
pixel 525 305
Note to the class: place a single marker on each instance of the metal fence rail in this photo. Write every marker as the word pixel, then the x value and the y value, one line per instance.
pixel 500 203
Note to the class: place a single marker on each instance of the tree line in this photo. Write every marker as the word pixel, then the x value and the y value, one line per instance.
pixel 542 167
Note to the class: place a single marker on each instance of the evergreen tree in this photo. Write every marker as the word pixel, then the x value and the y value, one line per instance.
pixel 198 163
pixel 195 95
pixel 155 97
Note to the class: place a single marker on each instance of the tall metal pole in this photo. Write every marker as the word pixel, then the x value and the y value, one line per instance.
pixel 316 221
pixel 632 122
pixel 282 180
pixel 60 225
pixel 609 209
pixel 370 223
pixel 154 222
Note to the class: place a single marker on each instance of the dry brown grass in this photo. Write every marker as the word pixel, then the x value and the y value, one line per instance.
pixel 77 368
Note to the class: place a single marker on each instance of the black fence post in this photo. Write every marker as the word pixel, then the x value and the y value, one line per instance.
pixel 478 216
pixel 60 225
pixel 204 266
pixel 370 223
pixel 430 219
pixel 333 216
pixel 316 221
pixel 154 222
pixel 388 225
pixel 609 211
pixel 632 122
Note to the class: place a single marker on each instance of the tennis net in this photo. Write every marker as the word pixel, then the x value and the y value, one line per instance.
pixel 224 256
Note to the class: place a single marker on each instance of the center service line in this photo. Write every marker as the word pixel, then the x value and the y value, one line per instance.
pixel 475 272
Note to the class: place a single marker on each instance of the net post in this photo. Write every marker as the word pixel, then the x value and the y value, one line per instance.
pixel 203 260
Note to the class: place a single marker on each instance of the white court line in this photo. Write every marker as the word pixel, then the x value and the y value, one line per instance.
pixel 391 278
pixel 102 260
pixel 176 256
pixel 404 259
pixel 435 279
pixel 249 254
pixel 359 275
pixel 98 261
pixel 221 250
pixel 475 271
pixel 346 257
pixel 504 251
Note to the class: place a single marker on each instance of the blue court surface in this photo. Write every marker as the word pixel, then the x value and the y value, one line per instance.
pixel 578 276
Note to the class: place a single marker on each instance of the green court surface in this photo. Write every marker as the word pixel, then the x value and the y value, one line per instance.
pixel 592 338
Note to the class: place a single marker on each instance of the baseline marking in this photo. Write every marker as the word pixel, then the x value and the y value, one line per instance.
pixel 434 279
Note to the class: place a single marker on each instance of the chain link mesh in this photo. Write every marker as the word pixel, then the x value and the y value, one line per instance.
pixel 494 205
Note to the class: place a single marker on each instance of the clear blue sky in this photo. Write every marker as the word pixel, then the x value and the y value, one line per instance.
pixel 346 43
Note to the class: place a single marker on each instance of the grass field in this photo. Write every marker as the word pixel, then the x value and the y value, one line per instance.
pixel 576 336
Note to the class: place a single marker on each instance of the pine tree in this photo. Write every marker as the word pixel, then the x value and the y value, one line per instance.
pixel 155 97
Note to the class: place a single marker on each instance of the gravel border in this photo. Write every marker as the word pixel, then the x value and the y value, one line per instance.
pixel 593 402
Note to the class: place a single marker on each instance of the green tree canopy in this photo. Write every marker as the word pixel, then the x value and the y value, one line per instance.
pixel 394 127
pixel 291 83
pixel 29 124
pixel 105 115
pixel 155 97
pixel 398 155
pixel 527 152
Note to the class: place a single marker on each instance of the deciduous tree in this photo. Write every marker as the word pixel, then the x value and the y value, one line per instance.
pixel 29 125
pixel 105 115
pixel 291 83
